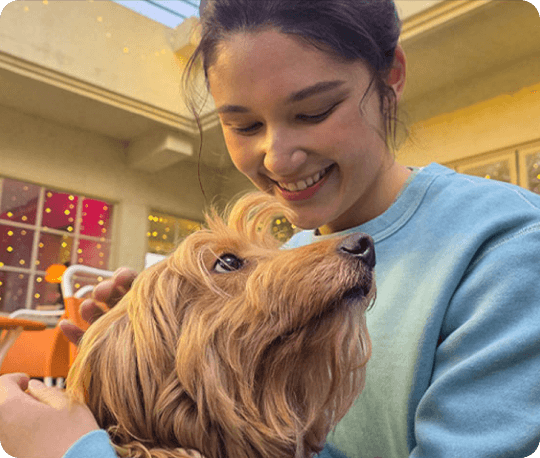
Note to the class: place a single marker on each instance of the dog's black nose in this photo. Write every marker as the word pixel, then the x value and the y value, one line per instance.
pixel 361 246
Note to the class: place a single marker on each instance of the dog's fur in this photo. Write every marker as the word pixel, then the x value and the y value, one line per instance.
pixel 262 361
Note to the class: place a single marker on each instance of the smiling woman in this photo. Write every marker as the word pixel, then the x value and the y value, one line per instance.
pixel 309 125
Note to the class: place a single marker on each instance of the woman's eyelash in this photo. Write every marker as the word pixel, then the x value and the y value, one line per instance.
pixel 317 117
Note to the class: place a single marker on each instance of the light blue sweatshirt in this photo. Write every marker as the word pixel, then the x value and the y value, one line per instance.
pixel 455 371
pixel 96 444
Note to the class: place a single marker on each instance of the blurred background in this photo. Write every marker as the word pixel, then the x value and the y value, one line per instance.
pixel 99 157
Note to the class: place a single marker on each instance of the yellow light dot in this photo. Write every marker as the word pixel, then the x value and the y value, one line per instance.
pixel 101 255
pixel 37 295
pixel 71 206
pixel 10 233
pixel 71 197
pixel 150 218
pixel 24 218
pixel 101 222
pixel 1 264
pixel 80 259
pixel 100 278
pixel 105 208
pixel 100 19
pixel 21 262
pixel 64 244
pixel 23 232
pixel 488 177
pixel 148 234
pixel 41 245
pixel 45 2
pixel 66 212
pixel 154 234
pixel 9 214
pixel 26 9
pixel 49 194
pixel 164 237
pixel 38 263
pixel 1 283
pixel 21 276
pixel 126 50
pixel 9 249
pixel 77 285
pixel 48 210
pixel 70 229
pixel 39 279
pixel 98 245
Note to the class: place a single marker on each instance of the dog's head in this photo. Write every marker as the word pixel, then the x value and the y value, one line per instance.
pixel 232 346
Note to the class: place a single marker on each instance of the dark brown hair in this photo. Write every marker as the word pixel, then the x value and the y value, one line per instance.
pixel 349 30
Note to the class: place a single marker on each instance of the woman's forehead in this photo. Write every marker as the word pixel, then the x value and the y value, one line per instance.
pixel 270 57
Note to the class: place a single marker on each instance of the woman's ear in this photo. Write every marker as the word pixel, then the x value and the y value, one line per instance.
pixel 398 72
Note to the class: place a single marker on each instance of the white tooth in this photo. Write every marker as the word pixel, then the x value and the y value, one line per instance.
pixel 301 185
pixel 309 181
pixel 291 187
pixel 317 177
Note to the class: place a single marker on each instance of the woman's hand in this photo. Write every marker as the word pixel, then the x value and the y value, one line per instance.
pixel 39 423
pixel 109 291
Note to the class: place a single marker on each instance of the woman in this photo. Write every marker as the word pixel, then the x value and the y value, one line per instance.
pixel 306 93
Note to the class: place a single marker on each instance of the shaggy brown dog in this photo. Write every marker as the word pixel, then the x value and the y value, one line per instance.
pixel 231 347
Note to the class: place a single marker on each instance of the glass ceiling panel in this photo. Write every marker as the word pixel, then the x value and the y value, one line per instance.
pixel 168 12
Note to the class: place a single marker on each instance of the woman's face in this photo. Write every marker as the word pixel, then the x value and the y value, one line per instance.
pixel 295 124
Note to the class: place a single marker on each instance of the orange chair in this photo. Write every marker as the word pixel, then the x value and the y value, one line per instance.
pixel 40 354
pixel 72 313
pixel 72 300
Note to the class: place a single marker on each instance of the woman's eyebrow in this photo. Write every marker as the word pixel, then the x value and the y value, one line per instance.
pixel 318 88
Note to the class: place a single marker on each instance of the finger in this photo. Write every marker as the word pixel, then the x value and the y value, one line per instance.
pixel 51 396
pixel 112 290
pixel 72 332
pixel 15 379
pixel 90 310
pixel 11 383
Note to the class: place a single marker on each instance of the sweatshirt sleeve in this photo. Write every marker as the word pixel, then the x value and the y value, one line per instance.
pixel 484 397
pixel 95 444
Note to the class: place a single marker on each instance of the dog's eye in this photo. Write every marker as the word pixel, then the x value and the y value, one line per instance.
pixel 228 263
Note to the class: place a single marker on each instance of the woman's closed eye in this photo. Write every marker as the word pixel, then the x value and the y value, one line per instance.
pixel 303 117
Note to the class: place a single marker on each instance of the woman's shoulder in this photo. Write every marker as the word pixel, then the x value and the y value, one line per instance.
pixel 476 199
pixel 453 186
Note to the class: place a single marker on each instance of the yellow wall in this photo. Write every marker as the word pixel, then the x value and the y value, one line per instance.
pixel 42 152
pixel 98 42
pixel 501 122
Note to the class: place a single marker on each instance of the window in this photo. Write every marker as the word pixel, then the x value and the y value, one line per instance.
pixel 40 226
pixel 165 233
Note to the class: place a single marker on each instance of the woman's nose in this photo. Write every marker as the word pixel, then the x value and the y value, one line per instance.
pixel 283 158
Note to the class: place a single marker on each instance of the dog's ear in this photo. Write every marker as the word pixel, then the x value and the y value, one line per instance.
pixel 125 356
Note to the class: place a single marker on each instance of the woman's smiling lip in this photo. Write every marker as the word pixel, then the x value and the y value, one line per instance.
pixel 306 193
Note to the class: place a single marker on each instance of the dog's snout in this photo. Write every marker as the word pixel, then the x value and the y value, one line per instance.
pixel 360 246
